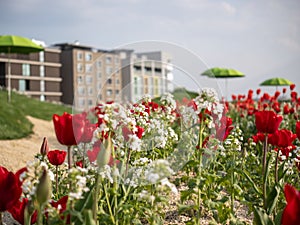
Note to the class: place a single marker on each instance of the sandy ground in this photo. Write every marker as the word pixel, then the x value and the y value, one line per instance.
pixel 14 154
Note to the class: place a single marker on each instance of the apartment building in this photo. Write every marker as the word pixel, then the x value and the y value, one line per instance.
pixel 147 73
pixel 34 74
pixel 89 75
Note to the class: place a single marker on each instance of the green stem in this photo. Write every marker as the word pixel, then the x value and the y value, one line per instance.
pixel 265 149
pixel 1 223
pixel 200 152
pixel 276 167
pixel 108 205
pixel 69 156
pixel 232 185
pixel 56 180
pixel 40 215
pixel 96 196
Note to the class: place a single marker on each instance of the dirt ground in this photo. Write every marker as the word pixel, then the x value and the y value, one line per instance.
pixel 14 154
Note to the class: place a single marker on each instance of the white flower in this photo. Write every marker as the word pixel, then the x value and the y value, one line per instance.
pixel 152 177
pixel 134 142
pixel 167 183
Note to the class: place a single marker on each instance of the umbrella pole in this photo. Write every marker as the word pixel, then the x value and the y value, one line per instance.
pixel 9 78
pixel 226 89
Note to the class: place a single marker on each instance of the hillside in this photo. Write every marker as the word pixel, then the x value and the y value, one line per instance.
pixel 14 123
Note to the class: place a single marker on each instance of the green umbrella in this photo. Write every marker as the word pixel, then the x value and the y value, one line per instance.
pixel 277 81
pixel 16 44
pixel 225 73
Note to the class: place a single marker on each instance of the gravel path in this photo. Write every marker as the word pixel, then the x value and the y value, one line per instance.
pixel 14 154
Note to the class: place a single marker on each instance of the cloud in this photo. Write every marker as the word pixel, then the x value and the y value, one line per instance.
pixel 289 43
pixel 229 9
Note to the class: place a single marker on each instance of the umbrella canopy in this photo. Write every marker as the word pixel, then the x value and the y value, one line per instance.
pixel 276 82
pixel 16 44
pixel 222 73
pixel 225 73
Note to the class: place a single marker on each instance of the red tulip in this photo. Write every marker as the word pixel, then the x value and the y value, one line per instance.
pixel 79 163
pixel 126 132
pixel 83 129
pixel 92 154
pixel 283 139
pixel 17 211
pixel 10 189
pixel 286 109
pixel 61 205
pixel 276 95
pixel 56 157
pixel 298 129
pixel 45 147
pixel 259 137
pixel 223 130
pixel 258 91
pixel 292 86
pixel 267 121
pixel 291 213
pixel 63 126
pixel 284 90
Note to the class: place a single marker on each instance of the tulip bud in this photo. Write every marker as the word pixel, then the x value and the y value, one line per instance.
pixel 105 153
pixel 45 147
pixel 43 190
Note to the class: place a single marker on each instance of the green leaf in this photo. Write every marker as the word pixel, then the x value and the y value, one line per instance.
pixel 267 170
pixel 272 199
pixel 278 218
pixel 251 181
pixel 88 218
pixel 261 217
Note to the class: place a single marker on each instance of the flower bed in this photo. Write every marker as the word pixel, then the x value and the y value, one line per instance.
pixel 145 163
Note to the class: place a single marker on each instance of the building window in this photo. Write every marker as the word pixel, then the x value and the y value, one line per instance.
pixel 109 71
pixel 108 60
pixel 25 69
pixel 90 91
pixel 109 92
pixel 89 79
pixel 79 56
pixel 42 71
pixel 42 56
pixel 88 56
pixel 117 81
pixel 117 61
pixel 88 68
pixel 117 92
pixel 79 68
pixel 99 64
pixel 99 74
pixel 21 85
pixel 81 102
pixel 99 85
pixel 81 90
pixel 80 79
pixel 90 102
pixel 109 81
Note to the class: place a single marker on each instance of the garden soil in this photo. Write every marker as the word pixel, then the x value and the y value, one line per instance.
pixel 14 154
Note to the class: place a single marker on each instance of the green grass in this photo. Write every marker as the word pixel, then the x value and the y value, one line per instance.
pixel 13 121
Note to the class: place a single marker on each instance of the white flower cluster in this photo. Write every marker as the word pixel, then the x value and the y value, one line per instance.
pixel 79 186
pixel 208 99
pixel 168 100
pixel 158 170
pixel 30 178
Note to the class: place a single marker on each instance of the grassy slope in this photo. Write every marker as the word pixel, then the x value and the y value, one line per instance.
pixel 13 121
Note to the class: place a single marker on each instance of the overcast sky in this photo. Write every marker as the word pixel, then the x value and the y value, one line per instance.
pixel 259 38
